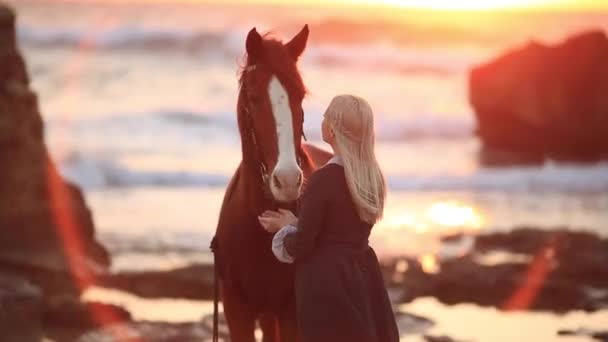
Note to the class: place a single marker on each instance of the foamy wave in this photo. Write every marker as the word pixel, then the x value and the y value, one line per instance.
pixel 94 173
pixel 230 45
pixel 158 250
pixel 125 37
pixel 550 177
pixel 381 56
pixel 160 242
pixel 187 123
pixel 409 128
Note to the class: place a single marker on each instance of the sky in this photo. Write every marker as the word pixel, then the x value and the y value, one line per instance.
pixel 464 4
pixel 418 4
pixel 437 4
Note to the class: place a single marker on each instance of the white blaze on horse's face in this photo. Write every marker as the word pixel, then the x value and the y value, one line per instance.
pixel 287 176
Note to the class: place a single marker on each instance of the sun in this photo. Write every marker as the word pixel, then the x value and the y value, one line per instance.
pixel 465 4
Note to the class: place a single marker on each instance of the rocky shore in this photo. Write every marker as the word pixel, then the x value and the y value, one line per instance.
pixel 50 255
pixel 524 269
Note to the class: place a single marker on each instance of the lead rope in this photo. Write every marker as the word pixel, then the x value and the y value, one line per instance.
pixel 215 290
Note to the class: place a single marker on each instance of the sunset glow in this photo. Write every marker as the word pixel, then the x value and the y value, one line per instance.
pixel 440 217
pixel 452 214
pixel 466 5
pixel 440 5
pixel 474 5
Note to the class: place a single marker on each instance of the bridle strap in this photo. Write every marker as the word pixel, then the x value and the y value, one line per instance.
pixel 263 170
pixel 258 157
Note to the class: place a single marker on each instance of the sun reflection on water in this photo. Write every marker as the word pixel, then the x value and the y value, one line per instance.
pixel 418 232
pixel 454 214
pixel 444 217
pixel 429 263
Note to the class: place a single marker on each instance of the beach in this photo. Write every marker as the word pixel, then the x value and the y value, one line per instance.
pixel 138 105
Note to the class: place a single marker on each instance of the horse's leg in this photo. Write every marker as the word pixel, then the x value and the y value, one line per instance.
pixel 270 328
pixel 288 324
pixel 239 316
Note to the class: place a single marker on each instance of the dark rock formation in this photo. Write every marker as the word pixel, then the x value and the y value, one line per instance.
pixel 66 318
pixel 48 250
pixel 543 101
pixel 443 338
pixel 581 258
pixel 595 335
pixel 565 270
pixel 46 230
pixel 20 310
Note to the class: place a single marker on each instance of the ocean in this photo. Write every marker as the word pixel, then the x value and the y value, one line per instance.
pixel 139 108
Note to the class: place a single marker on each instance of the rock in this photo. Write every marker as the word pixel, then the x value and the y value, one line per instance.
pixel 7 28
pixel 596 335
pixel 463 280
pixel 149 332
pixel 564 270
pixel 582 256
pixel 191 282
pixel 66 310
pixel 442 338
pixel 600 335
pixel 540 101
pixel 47 233
pixel 66 317
pixel 48 250
pixel 20 309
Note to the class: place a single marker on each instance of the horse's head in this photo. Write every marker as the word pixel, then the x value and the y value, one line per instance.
pixel 270 112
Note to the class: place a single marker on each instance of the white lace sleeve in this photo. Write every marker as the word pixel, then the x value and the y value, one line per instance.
pixel 277 244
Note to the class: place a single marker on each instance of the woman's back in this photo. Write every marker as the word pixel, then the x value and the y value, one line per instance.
pixel 342 224
pixel 340 294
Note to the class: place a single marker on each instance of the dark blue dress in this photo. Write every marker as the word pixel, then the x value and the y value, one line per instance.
pixel 340 294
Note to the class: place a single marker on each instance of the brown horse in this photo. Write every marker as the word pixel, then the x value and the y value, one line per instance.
pixel 274 168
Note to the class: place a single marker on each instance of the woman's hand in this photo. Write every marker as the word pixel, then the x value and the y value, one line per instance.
pixel 273 221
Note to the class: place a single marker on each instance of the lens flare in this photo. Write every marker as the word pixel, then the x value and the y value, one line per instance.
pixel 69 231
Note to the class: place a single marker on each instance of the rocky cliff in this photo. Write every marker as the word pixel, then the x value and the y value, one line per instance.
pixel 48 248
pixel 540 101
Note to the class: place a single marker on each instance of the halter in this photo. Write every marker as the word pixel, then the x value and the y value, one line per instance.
pixel 263 170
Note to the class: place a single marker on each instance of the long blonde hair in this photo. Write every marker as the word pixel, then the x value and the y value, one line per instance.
pixel 352 120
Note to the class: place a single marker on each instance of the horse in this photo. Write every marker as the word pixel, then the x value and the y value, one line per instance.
pixel 275 164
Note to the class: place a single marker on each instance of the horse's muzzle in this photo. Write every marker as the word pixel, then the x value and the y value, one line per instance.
pixel 286 184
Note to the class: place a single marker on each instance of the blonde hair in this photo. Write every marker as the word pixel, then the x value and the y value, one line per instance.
pixel 352 120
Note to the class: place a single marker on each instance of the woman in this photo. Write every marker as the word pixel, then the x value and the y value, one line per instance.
pixel 340 295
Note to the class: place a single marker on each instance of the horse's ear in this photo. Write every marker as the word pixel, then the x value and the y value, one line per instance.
pixel 297 45
pixel 254 44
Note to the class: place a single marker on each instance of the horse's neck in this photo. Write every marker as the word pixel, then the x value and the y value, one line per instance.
pixel 251 185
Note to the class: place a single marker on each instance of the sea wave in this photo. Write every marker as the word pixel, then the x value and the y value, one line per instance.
pixel 228 46
pixel 186 123
pixel 92 173
pixel 98 173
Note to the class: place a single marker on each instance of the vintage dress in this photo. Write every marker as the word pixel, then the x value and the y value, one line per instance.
pixel 340 295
